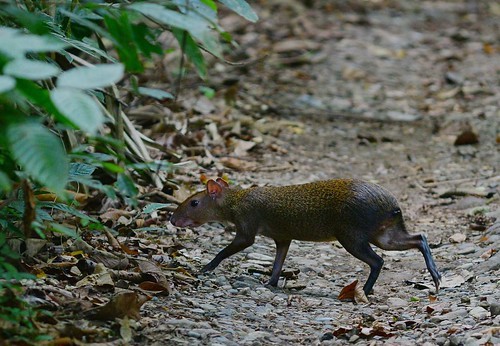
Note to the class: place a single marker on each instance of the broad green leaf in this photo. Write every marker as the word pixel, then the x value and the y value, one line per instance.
pixel 55 227
pixel 77 169
pixel 112 167
pixel 6 83
pixel 31 69
pixel 67 209
pixel 242 8
pixel 5 183
pixel 126 185
pixel 96 184
pixel 211 4
pixel 199 28
pixel 95 77
pixel 154 206
pixel 198 7
pixel 87 46
pixel 40 153
pixel 16 45
pixel 155 93
pixel 122 31
pixel 192 51
pixel 78 107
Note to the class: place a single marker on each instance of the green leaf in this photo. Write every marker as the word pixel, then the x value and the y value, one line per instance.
pixel 6 83
pixel 155 93
pixel 78 107
pixel 154 206
pixel 211 4
pixel 126 185
pixel 96 184
pixel 78 169
pixel 207 91
pixel 5 183
pixel 40 153
pixel 192 51
pixel 31 69
pixel 67 209
pixel 16 45
pixel 199 8
pixel 242 8
pixel 122 31
pixel 64 230
pixel 197 26
pixel 95 77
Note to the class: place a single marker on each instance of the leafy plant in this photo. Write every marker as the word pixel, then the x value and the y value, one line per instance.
pixel 62 121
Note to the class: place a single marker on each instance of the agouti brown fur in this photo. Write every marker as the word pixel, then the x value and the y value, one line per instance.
pixel 355 212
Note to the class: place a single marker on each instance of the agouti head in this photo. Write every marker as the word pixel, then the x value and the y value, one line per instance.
pixel 202 207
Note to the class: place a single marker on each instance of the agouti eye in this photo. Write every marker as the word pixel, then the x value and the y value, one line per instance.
pixel 195 203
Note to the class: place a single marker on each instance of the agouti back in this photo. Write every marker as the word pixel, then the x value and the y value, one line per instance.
pixel 355 212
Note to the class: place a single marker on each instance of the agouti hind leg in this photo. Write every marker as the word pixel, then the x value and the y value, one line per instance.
pixel 281 251
pixel 397 238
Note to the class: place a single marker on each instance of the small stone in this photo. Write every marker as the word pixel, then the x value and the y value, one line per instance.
pixel 457 238
pixel 441 341
pixel 260 257
pixel 400 325
pixel 450 316
pixel 479 313
pixel 193 334
pixel 327 336
pixel 466 249
pixel 353 338
pixel 383 308
pixel 397 302
pixel 494 309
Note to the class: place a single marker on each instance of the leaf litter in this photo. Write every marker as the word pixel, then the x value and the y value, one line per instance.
pixel 319 107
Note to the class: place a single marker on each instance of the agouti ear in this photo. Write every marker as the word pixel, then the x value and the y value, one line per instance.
pixel 222 183
pixel 214 190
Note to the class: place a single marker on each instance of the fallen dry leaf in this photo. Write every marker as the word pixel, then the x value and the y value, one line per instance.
pixel 238 164
pixel 124 304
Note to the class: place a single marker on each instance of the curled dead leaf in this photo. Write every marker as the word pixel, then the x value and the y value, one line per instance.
pixel 124 304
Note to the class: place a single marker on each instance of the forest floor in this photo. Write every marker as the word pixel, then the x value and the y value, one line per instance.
pixel 402 93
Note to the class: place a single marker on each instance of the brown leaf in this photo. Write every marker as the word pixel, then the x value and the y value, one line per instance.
pixel 237 164
pixel 286 46
pixel 488 253
pixel 468 136
pixel 347 293
pixel 154 286
pixel 124 304
pixel 128 250
pixel 359 294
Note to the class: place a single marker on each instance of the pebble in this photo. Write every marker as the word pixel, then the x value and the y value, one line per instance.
pixel 397 302
pixel 450 316
pixel 494 309
pixel 479 313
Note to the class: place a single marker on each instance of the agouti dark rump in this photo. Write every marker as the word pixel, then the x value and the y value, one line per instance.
pixel 354 212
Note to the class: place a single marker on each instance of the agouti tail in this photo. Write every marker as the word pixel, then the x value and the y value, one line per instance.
pixel 354 212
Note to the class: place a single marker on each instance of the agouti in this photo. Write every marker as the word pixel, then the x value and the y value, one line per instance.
pixel 355 212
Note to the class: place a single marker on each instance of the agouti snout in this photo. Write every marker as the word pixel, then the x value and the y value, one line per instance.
pixel 354 212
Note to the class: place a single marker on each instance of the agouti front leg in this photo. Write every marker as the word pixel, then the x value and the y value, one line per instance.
pixel 281 251
pixel 240 242
pixel 362 250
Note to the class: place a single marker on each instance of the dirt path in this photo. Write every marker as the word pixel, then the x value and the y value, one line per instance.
pixel 389 94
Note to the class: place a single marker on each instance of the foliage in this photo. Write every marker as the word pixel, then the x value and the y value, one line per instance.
pixel 60 63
